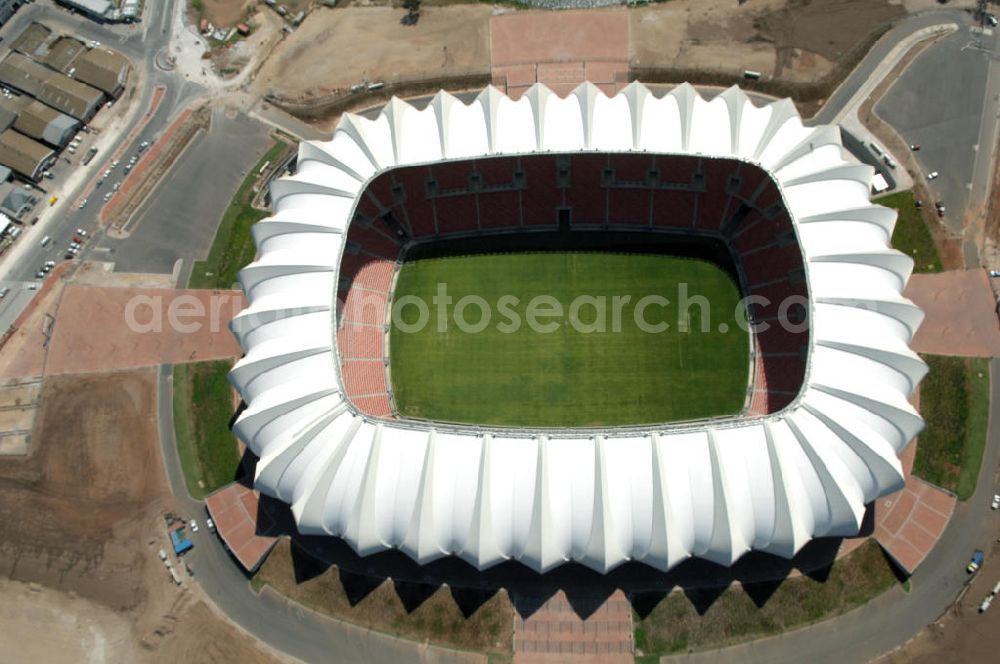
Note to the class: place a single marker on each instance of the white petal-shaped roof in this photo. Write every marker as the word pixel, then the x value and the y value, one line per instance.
pixel 712 489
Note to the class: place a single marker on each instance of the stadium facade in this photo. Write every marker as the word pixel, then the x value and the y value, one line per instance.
pixel 802 465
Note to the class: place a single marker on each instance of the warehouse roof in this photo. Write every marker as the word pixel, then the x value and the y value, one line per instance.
pixel 57 90
pixel 22 154
pixel 47 124
pixel 62 52
pixel 102 68
pixel 31 40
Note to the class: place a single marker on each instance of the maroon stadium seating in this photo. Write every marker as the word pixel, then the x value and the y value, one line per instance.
pixel 665 192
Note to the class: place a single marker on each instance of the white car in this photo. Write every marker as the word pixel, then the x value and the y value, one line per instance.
pixel 108 195
pixel 932 175
pixel 210 525
pixel 81 232
pixel 194 526
pixel 82 204
pixel 996 502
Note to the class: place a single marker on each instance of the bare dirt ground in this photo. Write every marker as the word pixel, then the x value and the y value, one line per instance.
pixel 80 525
pixel 796 40
pixel 226 13
pixel 336 48
pixel 91 482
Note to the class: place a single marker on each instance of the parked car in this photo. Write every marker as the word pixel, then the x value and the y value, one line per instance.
pixel 81 232
pixel 68 256
pixel 939 206
pixel 50 263
pixel 210 525
pixel 4 291
pixel 39 275
pixel 977 562
pixel 915 147
pixel 996 497
pixel 108 195
pixel 82 204
pixel 194 526
pixel 932 175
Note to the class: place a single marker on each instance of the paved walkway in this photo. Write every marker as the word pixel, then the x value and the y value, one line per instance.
pixel 560 49
pixel 960 314
pixel 100 329
pixel 556 633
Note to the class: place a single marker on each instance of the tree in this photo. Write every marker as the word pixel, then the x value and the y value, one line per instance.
pixel 413 11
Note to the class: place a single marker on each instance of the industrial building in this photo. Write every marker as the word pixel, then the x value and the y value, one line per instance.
pixel 24 156
pixel 7 9
pixel 99 10
pixel 101 68
pixel 36 120
pixel 57 90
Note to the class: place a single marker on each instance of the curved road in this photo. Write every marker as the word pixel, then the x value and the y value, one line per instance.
pixel 860 635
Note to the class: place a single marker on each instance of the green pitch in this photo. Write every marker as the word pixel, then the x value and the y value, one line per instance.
pixel 527 365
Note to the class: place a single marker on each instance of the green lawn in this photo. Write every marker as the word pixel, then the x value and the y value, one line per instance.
pixel 954 401
pixel 911 235
pixel 576 374
pixel 233 247
pixel 203 406
pixel 758 610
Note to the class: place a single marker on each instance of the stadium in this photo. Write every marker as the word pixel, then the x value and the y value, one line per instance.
pixel 706 439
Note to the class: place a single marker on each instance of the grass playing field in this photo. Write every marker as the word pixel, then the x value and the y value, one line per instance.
pixel 522 368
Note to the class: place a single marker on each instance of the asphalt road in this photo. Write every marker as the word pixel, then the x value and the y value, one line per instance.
pixel 938 103
pixel 179 219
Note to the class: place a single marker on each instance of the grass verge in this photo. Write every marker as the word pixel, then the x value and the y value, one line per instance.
pixel 233 246
pixel 583 360
pixel 468 620
pixel 758 610
pixel 203 406
pixel 954 401
pixel 911 236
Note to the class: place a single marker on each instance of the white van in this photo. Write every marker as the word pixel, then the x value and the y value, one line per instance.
pixel 46 241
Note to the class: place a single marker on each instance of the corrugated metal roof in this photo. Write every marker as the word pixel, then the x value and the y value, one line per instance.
pixel 22 154
pixel 57 90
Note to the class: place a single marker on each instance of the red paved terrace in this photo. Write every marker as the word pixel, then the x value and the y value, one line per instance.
pixel 560 49
pixel 555 633
pixel 960 313
pixel 234 508
pixel 909 523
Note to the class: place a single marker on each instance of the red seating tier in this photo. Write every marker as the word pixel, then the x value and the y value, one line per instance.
pixel 629 206
pixel 363 377
pixel 499 209
pixel 456 214
pixel 673 208
pixel 359 341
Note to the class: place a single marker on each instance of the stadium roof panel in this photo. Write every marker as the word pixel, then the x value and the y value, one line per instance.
pixel 712 489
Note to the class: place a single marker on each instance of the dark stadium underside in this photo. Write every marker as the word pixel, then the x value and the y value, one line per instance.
pixel 722 210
